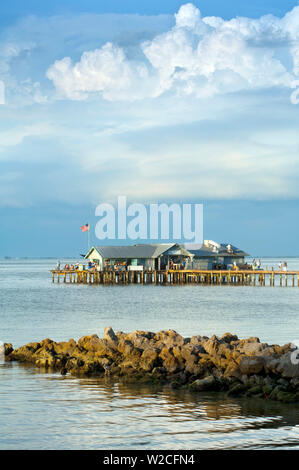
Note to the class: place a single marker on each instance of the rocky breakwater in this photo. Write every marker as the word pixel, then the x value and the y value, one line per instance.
pixel 227 364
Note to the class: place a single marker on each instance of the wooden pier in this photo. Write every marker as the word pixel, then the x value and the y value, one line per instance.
pixel 175 277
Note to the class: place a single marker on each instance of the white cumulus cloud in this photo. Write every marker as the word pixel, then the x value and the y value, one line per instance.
pixel 199 55
pixel 103 70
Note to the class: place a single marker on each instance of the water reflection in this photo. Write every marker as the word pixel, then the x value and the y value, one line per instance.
pixel 53 412
pixel 76 413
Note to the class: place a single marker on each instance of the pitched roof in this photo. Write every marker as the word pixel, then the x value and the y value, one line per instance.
pixel 132 252
pixel 207 251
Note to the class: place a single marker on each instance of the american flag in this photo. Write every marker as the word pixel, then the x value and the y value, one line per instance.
pixel 85 228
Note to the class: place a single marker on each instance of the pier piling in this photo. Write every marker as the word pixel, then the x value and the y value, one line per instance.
pixel 179 277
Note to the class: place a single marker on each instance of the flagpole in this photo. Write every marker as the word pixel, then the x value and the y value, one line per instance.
pixel 88 237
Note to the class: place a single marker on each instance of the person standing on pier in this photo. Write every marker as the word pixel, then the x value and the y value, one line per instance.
pixel 280 266
pixel 259 264
pixel 58 266
pixel 285 266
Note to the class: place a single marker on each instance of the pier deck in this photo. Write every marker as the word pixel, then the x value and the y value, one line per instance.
pixel 176 277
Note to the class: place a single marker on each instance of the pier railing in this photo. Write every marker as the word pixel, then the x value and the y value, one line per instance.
pixel 179 277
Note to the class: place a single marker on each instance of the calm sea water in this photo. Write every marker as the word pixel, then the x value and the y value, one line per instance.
pixel 48 411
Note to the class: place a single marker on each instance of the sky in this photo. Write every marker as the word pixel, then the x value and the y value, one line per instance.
pixel 158 101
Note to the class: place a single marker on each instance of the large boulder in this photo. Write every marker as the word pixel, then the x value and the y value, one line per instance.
pixel 109 335
pixel 169 338
pixel 140 339
pixel 25 353
pixel 251 365
pixel 233 371
pixel 190 352
pixel 66 347
pixel 150 359
pixel 287 366
pixel 254 348
pixel 90 343
pixel 218 347
pixel 228 338
pixel 170 362
pixel 45 358
pixel 197 340
pixel 101 347
pixel 207 384
pixel 8 349
pixel 131 356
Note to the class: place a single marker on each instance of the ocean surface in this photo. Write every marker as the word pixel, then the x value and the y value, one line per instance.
pixel 49 411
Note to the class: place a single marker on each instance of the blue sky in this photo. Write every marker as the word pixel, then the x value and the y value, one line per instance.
pixel 159 101
pixel 228 9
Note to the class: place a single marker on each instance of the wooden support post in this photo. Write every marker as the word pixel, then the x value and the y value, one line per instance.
pixel 176 277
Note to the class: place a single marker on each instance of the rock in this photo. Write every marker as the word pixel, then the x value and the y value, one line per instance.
pixel 44 342
pixel 8 349
pixel 44 358
pixel 267 389
pixel 169 337
pixel 284 383
pixel 23 354
pixel 228 338
pixel 233 370
pixel 295 382
pixel 150 359
pixel 188 354
pixel 275 391
pixel 256 390
pixel 101 347
pixel 251 365
pixel 159 371
pixel 252 339
pixel 236 389
pixel 131 356
pixel 65 347
pixel 196 340
pixel 285 397
pixel 109 335
pixel 211 346
pixel 170 363
pixel 191 351
pixel 286 367
pixel 89 343
pixel 207 384
pixel 254 349
pixel 246 367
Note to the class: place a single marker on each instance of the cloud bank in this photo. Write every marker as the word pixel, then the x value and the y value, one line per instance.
pixel 153 107
pixel 199 56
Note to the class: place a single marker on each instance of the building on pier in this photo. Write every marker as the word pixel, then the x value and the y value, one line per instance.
pixel 156 257
pixel 140 257
pixel 211 255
